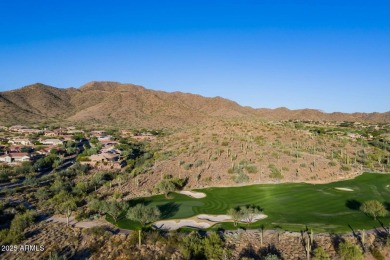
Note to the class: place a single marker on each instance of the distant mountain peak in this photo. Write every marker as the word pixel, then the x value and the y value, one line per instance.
pixel 108 86
pixel 113 103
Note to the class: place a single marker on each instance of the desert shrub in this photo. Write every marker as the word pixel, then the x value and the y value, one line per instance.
pixel 332 163
pixel 345 168
pixel 349 251
pixel 251 168
pixel 241 178
pixel 188 166
pixel 275 172
pixel 96 232
pixel 198 163
pixel 320 254
pixel 196 247
pixel 213 246
pixel 376 253
pixel 191 247
pixel 271 257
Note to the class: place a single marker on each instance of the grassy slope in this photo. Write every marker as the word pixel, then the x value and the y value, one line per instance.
pixel 289 206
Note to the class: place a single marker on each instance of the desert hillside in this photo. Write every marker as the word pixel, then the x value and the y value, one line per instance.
pixel 114 103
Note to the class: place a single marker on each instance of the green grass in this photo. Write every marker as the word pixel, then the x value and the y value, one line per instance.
pixel 289 206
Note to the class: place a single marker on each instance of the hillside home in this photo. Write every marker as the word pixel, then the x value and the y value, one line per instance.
pixel 106 138
pixel 14 149
pixel 74 131
pixel 126 132
pixel 104 157
pixel 105 161
pixel 51 142
pixel 20 141
pixel 30 131
pixel 98 133
pixel 15 157
pixel 17 128
pixel 51 133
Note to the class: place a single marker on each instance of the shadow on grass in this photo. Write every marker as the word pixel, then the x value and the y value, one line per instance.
pixel 134 202
pixel 353 204
pixel 168 209
pixel 387 205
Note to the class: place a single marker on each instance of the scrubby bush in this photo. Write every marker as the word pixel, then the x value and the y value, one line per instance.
pixel 349 251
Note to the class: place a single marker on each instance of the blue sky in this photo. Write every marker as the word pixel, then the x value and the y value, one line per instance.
pixel 329 55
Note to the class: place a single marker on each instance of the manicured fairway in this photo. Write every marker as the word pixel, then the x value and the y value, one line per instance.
pixel 290 206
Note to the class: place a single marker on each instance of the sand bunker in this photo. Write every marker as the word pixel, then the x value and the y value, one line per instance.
pixel 201 221
pixel 175 224
pixel 343 189
pixel 215 218
pixel 196 195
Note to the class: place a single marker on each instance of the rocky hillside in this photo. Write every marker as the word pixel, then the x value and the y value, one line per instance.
pixel 132 105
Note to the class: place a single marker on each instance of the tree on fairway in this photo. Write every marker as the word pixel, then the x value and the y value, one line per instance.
pixel 249 213
pixel 236 215
pixel 143 215
pixel 114 209
pixel 165 186
pixel 373 208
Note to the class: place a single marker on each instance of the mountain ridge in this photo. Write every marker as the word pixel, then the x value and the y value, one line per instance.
pixel 115 103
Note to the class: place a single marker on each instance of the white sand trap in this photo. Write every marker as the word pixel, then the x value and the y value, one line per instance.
pixel 196 195
pixel 175 224
pixel 201 221
pixel 344 189
pixel 215 218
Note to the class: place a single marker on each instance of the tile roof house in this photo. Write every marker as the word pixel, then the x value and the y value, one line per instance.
pixel 15 157
pixel 20 141
pixel 51 142
pixel 104 161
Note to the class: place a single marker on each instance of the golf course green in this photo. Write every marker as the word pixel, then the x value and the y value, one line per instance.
pixel 289 206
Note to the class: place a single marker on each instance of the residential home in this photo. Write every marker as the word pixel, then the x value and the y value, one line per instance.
pixel 17 128
pixel 98 133
pixel 45 150
pixel 51 142
pixel 104 161
pixel 74 131
pixel 14 149
pixel 66 137
pixel 30 131
pixel 104 138
pixel 125 132
pixel 104 157
pixel 20 141
pixel 15 157
pixel 51 133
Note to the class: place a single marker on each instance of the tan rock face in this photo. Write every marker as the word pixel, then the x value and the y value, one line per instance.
pixel 114 103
